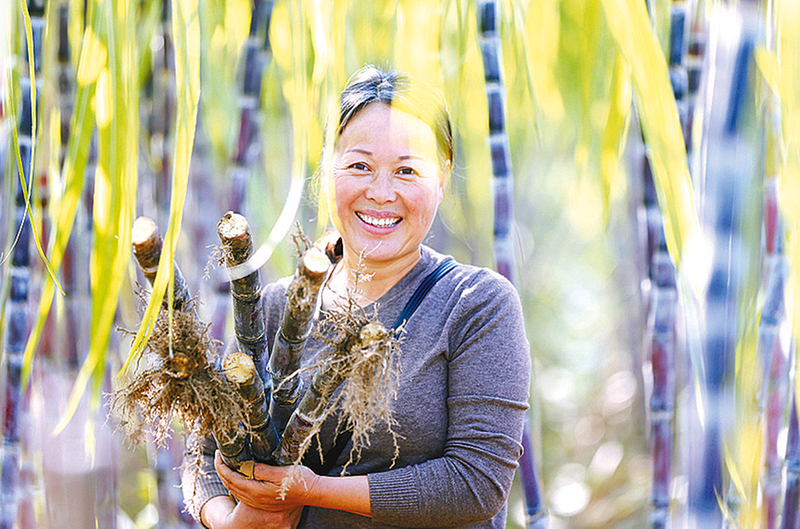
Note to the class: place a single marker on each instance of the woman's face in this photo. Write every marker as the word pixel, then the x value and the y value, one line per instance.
pixel 388 183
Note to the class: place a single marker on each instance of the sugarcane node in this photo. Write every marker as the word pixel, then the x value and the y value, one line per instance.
pixel 372 332
pixel 181 365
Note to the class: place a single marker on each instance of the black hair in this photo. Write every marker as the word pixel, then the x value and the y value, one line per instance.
pixel 374 85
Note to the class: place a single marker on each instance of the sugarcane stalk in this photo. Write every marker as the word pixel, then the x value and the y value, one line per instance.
pixel 17 303
pixel 662 364
pixel 663 295
pixel 302 295
pixel 240 369
pixel 502 185
pixel 255 56
pixel 147 245
pixel 729 173
pixel 774 395
pixel 312 410
pixel 248 311
pixel 16 314
pixel 791 497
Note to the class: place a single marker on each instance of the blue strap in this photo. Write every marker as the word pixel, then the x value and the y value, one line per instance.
pixel 416 298
pixel 422 291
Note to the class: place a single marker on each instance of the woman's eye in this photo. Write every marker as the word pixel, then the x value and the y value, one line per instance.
pixel 406 171
pixel 359 166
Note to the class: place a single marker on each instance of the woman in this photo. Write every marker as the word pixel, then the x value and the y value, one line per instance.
pixel 464 367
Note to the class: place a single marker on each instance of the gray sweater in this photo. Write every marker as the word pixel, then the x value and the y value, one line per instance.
pixel 461 404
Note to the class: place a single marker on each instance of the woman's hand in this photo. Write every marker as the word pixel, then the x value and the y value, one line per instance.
pixel 222 512
pixel 274 489
pixel 267 494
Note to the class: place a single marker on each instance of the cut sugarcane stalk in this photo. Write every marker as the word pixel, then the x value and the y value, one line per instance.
pixel 147 244
pixel 248 311
pixel 302 294
pixel 181 379
pixel 240 369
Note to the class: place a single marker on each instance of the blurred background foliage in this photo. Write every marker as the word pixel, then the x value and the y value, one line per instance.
pixel 583 79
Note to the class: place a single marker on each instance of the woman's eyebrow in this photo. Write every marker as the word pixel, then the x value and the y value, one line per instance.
pixel 360 151
pixel 410 157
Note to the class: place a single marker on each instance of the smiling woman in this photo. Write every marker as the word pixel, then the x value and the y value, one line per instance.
pixel 387 186
pixel 447 456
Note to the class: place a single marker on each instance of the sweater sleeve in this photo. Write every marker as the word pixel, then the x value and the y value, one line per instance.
pixel 199 479
pixel 488 378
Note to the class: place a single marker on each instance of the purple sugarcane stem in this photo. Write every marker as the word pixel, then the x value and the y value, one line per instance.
pixel 16 332
pixel 772 355
pixel 534 508
pixel 791 498
pixel 503 187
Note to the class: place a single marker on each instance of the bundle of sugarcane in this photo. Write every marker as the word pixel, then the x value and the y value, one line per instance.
pixel 232 405
pixel 360 358
pixel 181 378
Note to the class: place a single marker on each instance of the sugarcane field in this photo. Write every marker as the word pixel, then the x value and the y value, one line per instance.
pixel 399 263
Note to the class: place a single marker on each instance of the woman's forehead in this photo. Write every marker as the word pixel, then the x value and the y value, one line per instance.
pixel 379 123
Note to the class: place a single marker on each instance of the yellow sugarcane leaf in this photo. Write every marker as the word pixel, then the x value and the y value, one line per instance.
pixel 612 141
pixel 767 63
pixel 540 34
pixel 114 195
pixel 630 27
pixel 93 58
pixel 280 31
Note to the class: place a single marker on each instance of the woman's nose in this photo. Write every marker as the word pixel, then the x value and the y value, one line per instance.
pixel 382 189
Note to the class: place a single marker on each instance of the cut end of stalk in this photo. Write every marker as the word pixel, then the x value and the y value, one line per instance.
pixel 316 262
pixel 233 229
pixel 146 242
pixel 372 332
pixel 239 368
pixel 181 366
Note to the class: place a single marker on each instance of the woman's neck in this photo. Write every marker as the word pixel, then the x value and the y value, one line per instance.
pixel 374 278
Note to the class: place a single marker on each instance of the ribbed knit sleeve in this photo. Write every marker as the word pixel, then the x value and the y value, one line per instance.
pixel 487 376
pixel 201 484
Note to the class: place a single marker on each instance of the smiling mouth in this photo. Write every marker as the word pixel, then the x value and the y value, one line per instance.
pixel 386 222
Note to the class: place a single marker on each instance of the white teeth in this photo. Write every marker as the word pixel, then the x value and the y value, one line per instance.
pixel 379 223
